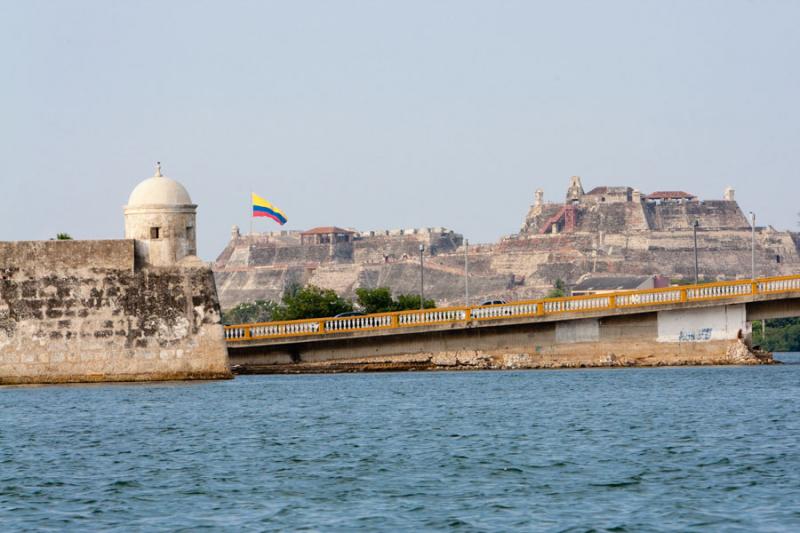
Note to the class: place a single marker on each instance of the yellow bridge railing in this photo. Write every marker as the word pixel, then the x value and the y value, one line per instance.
pixel 529 308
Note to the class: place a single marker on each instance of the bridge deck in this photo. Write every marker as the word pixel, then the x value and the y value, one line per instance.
pixel 575 307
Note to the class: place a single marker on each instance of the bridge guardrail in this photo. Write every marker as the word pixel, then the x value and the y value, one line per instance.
pixel 782 284
pixel 521 309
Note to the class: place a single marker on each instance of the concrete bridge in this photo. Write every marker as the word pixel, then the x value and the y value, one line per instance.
pixel 695 324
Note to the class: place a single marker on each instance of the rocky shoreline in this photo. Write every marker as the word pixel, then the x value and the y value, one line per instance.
pixel 737 353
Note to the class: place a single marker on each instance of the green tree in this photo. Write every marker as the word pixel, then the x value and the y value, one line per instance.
pixel 291 289
pixel 559 289
pixel 783 335
pixel 250 312
pixel 411 301
pixel 378 300
pixel 311 302
pixel 63 237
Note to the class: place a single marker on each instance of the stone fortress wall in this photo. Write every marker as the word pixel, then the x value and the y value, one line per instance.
pixel 286 247
pixel 75 311
pixel 261 266
pixel 606 231
pixel 139 309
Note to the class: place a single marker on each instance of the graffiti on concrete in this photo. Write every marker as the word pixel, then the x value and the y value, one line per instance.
pixel 695 335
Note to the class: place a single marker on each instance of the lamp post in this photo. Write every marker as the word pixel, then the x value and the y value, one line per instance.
pixel 421 278
pixel 466 273
pixel 696 268
pixel 753 268
pixel 752 245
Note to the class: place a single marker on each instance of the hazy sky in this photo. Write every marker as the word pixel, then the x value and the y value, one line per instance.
pixel 388 115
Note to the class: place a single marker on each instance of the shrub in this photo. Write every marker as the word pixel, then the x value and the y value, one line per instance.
pixel 250 312
pixel 311 302
pixel 380 300
pixel 559 289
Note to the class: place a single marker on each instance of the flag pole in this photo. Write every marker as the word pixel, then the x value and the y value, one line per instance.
pixel 251 212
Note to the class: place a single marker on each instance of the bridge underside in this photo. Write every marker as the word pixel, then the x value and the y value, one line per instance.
pixel 690 334
pixel 766 310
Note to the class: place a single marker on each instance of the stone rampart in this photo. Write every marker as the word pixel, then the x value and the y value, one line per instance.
pixel 50 256
pixel 77 311
pixel 711 214
pixel 388 248
pixel 319 253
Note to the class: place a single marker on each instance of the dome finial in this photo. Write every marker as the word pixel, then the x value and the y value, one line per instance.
pixel 158 170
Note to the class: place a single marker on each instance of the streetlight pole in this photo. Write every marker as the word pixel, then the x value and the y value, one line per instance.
pixel 752 245
pixel 696 267
pixel 421 278
pixel 466 273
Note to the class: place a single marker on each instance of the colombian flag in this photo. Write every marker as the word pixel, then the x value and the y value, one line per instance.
pixel 262 208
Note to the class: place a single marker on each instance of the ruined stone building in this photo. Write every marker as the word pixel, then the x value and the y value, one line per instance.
pixel 609 230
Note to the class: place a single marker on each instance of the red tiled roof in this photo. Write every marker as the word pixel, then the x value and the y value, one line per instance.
pixel 326 230
pixel 670 195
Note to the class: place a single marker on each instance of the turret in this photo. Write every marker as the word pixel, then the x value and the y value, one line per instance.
pixel 575 191
pixel 729 194
pixel 161 217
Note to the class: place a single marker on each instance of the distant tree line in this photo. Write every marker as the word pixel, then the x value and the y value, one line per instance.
pixel 315 302
pixel 380 300
pixel 783 335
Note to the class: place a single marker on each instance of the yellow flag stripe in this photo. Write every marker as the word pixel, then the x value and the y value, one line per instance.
pixel 257 200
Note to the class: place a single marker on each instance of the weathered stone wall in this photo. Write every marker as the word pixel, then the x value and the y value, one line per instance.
pixel 620 217
pixel 387 248
pixel 76 311
pixel 711 214
pixel 310 253
pixel 612 218
pixel 273 249
pixel 40 258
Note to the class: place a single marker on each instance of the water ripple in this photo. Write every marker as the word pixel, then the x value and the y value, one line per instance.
pixel 666 449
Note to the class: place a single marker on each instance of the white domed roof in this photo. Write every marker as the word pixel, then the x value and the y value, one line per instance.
pixel 159 190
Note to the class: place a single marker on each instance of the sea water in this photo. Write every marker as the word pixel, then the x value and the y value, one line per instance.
pixel 659 449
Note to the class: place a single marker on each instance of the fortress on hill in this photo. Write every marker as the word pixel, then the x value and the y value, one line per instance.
pixel 607 231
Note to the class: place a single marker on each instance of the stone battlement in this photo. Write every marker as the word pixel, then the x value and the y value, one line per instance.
pixel 293 236
pixel 376 246
pixel 53 256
